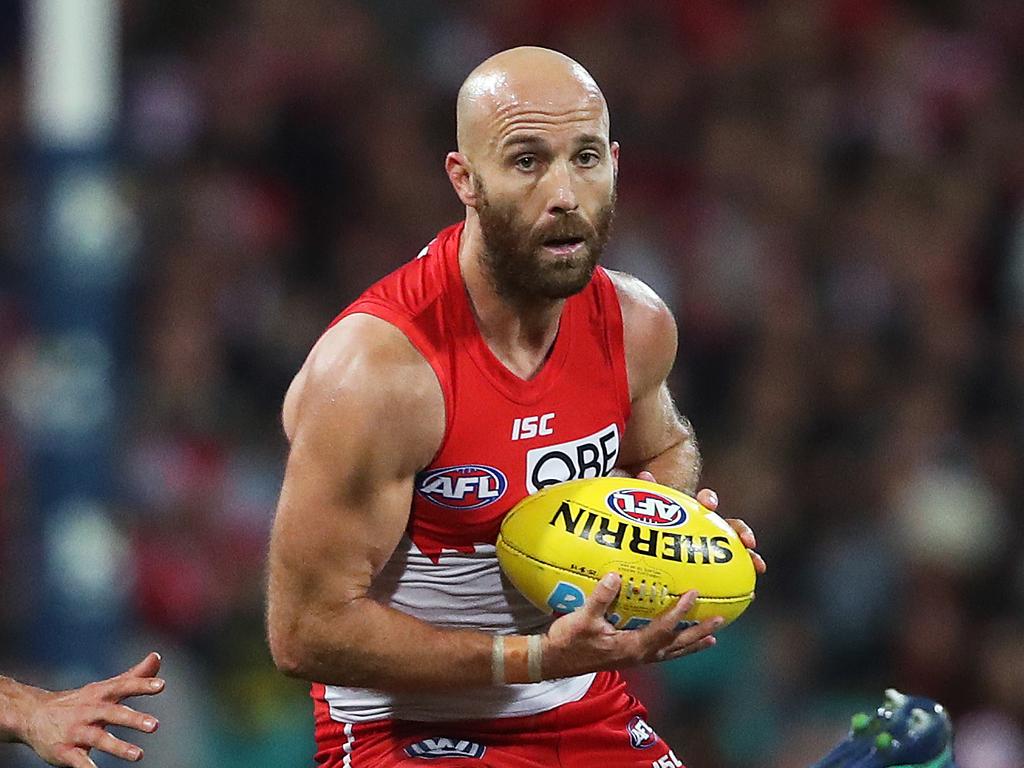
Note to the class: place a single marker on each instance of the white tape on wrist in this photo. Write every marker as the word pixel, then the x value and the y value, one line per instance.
pixel 534 654
pixel 498 660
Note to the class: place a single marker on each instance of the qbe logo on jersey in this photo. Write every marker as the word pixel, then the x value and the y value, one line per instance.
pixel 647 507
pixel 469 486
pixel 588 457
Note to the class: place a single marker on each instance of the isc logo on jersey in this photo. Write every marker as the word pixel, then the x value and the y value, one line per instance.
pixel 470 486
pixel 588 457
pixel 431 749
pixel 647 507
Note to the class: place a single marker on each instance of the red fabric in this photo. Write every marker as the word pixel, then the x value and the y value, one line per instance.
pixel 606 727
pixel 583 383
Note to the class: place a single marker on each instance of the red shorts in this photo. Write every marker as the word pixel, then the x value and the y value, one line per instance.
pixel 606 727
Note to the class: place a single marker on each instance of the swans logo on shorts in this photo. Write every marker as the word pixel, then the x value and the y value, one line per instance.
pixel 641 735
pixel 469 486
pixel 647 507
pixel 441 746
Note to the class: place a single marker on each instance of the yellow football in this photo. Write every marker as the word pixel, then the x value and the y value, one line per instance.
pixel 556 544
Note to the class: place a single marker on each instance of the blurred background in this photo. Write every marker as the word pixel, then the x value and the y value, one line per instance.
pixel 829 193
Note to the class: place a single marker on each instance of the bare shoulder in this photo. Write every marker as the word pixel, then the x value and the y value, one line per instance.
pixel 365 374
pixel 651 336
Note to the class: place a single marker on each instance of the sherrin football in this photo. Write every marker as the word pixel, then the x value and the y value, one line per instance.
pixel 556 544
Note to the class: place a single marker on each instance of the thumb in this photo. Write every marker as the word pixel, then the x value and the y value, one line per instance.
pixel 603 595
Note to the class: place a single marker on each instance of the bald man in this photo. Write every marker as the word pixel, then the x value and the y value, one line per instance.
pixel 501 360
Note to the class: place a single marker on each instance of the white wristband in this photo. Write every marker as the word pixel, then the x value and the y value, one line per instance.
pixel 498 659
pixel 533 658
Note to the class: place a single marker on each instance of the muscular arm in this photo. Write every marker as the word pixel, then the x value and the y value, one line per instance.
pixel 363 416
pixel 658 438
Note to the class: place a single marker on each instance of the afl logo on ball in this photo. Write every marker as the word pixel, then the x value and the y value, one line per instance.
pixel 647 507
pixel 470 486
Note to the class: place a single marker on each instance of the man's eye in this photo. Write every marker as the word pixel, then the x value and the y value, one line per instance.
pixel 526 162
pixel 588 158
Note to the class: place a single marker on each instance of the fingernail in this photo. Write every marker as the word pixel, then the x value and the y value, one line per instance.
pixel 156 684
pixel 716 623
pixel 714 498
pixel 134 753
pixel 158 656
pixel 149 723
pixel 608 580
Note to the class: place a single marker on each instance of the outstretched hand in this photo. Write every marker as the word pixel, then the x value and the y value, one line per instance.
pixel 64 725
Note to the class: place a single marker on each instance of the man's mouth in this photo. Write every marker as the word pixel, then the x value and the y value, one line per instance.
pixel 563 245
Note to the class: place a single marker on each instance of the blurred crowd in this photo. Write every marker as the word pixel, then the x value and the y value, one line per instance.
pixel 829 193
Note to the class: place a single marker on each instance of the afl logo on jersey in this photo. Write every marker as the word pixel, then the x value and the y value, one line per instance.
pixel 647 507
pixel 469 486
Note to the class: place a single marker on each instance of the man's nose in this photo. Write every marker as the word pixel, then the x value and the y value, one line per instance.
pixel 562 191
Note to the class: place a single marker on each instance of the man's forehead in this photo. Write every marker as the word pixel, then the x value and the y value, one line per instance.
pixel 515 115
pixel 531 119
pixel 528 90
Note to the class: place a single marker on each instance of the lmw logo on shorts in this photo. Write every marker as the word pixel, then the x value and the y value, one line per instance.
pixel 431 749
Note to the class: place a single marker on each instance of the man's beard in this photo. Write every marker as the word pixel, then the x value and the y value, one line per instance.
pixel 514 256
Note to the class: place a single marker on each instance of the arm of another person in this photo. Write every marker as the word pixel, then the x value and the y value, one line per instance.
pixel 62 726
pixel 364 415
pixel 660 442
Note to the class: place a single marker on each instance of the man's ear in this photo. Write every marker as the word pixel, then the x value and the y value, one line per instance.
pixel 460 174
pixel 615 157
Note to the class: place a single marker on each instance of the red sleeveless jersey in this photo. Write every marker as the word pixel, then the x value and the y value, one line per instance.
pixel 505 438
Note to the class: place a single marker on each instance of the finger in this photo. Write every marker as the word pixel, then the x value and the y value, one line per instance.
pixel 123 687
pixel 603 595
pixel 648 476
pixel 677 612
pixel 118 714
pixel 708 498
pixel 662 630
pixel 109 743
pixel 677 653
pixel 76 758
pixel 692 636
pixel 746 533
pixel 148 667
pixel 759 564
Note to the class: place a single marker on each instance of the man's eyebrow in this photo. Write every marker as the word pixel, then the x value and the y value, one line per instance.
pixel 524 141
pixel 588 138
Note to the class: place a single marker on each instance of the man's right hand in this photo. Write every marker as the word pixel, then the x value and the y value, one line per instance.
pixel 63 726
pixel 584 640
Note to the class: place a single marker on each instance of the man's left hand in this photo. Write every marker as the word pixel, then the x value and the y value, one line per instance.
pixel 709 499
